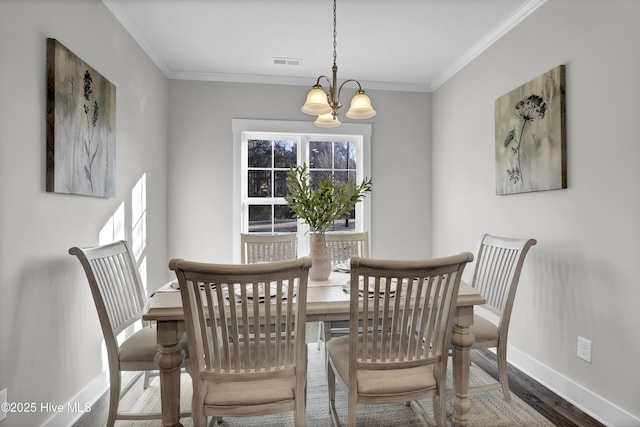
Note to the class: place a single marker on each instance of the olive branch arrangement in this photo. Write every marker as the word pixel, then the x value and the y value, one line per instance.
pixel 319 208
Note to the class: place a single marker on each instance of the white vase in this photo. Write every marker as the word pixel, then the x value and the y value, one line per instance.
pixel 320 263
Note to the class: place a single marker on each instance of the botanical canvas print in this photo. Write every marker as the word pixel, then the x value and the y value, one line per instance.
pixel 530 136
pixel 81 126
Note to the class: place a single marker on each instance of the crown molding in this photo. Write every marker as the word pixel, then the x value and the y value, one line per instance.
pixel 502 29
pixel 124 19
pixel 285 80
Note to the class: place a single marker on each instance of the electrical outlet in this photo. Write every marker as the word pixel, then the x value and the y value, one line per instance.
pixel 584 349
pixel 3 400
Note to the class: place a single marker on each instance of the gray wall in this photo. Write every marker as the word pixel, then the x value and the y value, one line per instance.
pixel 582 277
pixel 50 339
pixel 201 170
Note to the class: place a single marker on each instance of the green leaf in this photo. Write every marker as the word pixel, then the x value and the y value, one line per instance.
pixel 331 201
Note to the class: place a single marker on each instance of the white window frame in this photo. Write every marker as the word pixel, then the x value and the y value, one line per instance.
pixel 244 129
pixel 267 136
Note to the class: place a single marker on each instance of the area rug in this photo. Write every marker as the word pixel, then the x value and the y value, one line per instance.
pixel 488 409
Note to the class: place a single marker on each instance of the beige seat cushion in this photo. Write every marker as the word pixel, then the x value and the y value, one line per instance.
pixel 142 346
pixel 483 330
pixel 380 382
pixel 249 393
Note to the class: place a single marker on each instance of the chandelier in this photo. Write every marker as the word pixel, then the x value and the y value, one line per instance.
pixel 325 105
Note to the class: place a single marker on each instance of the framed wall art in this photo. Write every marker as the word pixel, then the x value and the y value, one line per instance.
pixel 81 126
pixel 530 136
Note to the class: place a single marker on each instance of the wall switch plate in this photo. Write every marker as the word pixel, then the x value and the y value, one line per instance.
pixel 584 349
pixel 3 399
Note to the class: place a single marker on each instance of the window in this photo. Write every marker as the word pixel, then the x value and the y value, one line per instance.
pixel 338 157
pixel 264 153
pixel 268 163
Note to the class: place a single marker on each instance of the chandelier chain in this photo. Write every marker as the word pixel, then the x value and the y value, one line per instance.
pixel 335 33
pixel 325 103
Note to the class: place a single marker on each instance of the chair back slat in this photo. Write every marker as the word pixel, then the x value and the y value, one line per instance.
pixel 497 272
pixel 343 246
pixel 259 248
pixel 118 287
pixel 115 285
pixel 404 309
pixel 245 320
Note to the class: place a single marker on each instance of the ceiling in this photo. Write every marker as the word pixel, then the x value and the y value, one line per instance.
pixel 407 45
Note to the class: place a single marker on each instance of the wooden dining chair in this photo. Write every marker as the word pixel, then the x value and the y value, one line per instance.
pixel 258 248
pixel 120 298
pixel 246 335
pixel 499 261
pixel 341 247
pixel 405 359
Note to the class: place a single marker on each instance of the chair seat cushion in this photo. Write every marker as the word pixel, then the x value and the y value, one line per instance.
pixel 483 329
pixel 249 393
pixel 244 393
pixel 380 382
pixel 142 346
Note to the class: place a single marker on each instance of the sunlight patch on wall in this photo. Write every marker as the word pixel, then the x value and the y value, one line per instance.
pixel 114 229
pixel 139 226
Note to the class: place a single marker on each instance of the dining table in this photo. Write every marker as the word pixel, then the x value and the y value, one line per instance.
pixel 327 301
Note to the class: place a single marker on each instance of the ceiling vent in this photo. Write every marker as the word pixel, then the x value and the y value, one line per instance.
pixel 287 61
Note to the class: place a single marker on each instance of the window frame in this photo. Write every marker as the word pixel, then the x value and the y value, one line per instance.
pixel 244 129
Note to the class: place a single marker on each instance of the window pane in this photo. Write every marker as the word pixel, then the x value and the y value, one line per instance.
pixel 285 154
pixel 316 177
pixel 341 155
pixel 346 224
pixel 258 183
pixel 341 177
pixel 283 219
pixel 352 155
pixel 280 184
pixel 260 219
pixel 259 153
pixel 320 155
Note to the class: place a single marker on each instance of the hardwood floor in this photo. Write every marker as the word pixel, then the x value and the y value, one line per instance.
pixel 560 412
pixel 550 405
pixel 100 410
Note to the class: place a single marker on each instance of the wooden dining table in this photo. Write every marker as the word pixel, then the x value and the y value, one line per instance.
pixel 327 301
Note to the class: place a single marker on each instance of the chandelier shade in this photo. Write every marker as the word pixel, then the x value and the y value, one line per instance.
pixel 327 121
pixel 325 104
pixel 317 102
pixel 361 107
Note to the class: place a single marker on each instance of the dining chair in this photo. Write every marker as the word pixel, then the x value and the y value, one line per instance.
pixel 246 335
pixel 341 247
pixel 405 358
pixel 499 261
pixel 258 247
pixel 119 298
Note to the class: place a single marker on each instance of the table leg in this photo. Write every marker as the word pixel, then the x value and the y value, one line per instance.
pixel 326 329
pixel 169 359
pixel 462 341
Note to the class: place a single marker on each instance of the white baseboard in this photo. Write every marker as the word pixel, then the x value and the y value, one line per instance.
pixel 75 408
pixel 590 403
